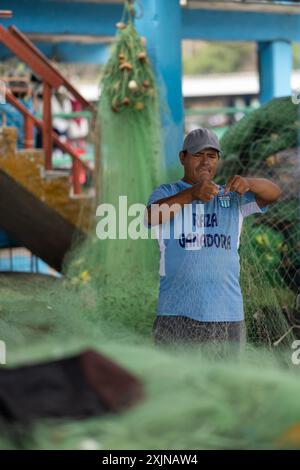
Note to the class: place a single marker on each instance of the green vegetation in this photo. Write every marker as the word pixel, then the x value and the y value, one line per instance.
pixel 215 57
pixel 224 57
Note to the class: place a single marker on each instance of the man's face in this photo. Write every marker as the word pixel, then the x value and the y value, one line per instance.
pixel 199 165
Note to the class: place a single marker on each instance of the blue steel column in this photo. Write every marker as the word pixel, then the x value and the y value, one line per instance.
pixel 161 25
pixel 275 69
pixel 73 52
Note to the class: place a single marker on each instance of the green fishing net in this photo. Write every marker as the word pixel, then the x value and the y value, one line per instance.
pixel 265 144
pixel 195 399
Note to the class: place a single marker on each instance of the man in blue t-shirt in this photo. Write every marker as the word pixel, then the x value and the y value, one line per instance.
pixel 199 225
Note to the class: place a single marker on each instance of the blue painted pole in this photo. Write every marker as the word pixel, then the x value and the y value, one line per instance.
pixel 275 69
pixel 161 25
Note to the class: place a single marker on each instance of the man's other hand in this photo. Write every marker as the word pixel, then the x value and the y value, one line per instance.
pixel 238 184
pixel 205 190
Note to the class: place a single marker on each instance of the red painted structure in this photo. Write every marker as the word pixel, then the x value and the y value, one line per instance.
pixel 52 79
pixel 30 120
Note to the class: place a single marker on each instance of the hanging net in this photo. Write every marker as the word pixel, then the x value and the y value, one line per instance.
pixel 107 297
pixel 122 268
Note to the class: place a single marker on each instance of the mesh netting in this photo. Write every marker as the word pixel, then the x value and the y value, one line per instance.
pixel 264 144
pixel 107 298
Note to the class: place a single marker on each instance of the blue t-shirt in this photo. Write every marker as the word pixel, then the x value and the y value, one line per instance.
pixel 199 260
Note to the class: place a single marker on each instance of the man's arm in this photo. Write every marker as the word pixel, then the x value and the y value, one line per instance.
pixel 165 209
pixel 266 192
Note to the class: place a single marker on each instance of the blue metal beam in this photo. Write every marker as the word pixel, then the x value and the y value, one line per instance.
pixel 218 25
pixel 68 52
pixel 275 69
pixel 163 33
pixel 57 17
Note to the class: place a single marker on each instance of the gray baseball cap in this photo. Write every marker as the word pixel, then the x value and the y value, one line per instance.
pixel 200 139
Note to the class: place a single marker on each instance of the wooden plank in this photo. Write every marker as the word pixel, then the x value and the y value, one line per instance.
pixel 35 225
pixel 244 6
pixel 77 38
pixel 47 128
pixel 107 2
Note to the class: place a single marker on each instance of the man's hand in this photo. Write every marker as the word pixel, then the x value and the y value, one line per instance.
pixel 237 183
pixel 205 190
